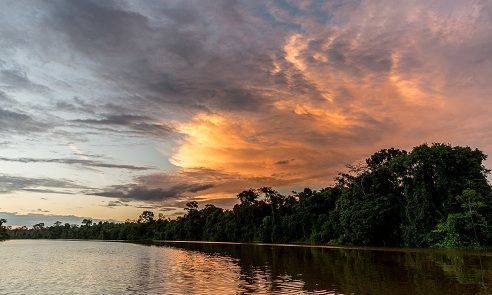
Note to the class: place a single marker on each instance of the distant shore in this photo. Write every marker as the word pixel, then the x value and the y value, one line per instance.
pixel 435 196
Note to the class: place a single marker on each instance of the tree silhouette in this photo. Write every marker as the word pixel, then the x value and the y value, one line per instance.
pixel 3 230
pixel 433 196
pixel 146 217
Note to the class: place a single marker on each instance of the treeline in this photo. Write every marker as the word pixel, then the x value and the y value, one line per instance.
pixel 3 230
pixel 433 196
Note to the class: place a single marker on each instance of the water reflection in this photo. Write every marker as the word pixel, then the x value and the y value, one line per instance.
pixel 355 271
pixel 86 267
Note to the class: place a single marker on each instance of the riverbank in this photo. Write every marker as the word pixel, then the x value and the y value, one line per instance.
pixel 477 251
pixel 482 252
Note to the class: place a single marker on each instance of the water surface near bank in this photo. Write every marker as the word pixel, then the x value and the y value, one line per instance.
pixel 91 267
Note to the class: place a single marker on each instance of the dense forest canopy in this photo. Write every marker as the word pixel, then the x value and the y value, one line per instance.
pixel 433 196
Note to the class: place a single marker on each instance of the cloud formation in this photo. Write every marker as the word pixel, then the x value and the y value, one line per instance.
pixel 238 94
pixel 176 188
pixel 138 124
pixel 81 162
pixel 9 184
pixel 12 122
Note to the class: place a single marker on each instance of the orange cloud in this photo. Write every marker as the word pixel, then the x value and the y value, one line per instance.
pixel 347 91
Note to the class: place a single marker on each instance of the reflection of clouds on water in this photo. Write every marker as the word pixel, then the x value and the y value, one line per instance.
pixel 89 267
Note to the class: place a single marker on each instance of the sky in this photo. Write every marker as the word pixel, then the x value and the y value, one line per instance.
pixel 109 108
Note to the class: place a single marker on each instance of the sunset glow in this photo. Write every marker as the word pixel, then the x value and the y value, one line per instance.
pixel 111 108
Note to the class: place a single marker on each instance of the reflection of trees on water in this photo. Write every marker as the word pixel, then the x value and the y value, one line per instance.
pixel 350 271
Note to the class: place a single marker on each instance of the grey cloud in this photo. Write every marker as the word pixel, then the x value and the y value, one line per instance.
pixel 18 80
pixel 99 29
pixel 136 123
pixel 160 130
pixel 162 57
pixel 88 155
pixel 160 208
pixel 142 193
pixel 118 120
pixel 9 184
pixel 177 188
pixel 47 191
pixel 113 204
pixel 237 99
pixel 176 57
pixel 5 99
pixel 82 162
pixel 15 122
pixel 114 120
pixel 103 111
pixel 77 105
pixel 157 207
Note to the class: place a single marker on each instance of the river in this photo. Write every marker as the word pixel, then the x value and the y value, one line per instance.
pixel 94 267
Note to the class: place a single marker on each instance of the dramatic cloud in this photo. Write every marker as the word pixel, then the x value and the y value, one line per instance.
pixel 135 192
pixel 164 56
pixel 220 96
pixel 176 188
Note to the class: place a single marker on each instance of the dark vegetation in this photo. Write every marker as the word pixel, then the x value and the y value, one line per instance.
pixel 433 196
pixel 3 231
pixel 351 271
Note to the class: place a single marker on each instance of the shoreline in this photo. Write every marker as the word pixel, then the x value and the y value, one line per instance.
pixel 481 252
pixel 471 251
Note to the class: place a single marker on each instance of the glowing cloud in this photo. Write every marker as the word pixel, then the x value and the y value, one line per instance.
pixel 190 100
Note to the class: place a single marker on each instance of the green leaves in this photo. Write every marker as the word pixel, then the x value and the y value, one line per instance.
pixel 433 196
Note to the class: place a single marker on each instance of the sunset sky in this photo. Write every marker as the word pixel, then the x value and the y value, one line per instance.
pixel 109 108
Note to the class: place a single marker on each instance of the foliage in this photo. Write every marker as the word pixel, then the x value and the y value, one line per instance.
pixel 433 196
pixel 3 230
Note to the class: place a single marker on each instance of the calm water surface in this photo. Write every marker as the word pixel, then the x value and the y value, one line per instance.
pixel 89 267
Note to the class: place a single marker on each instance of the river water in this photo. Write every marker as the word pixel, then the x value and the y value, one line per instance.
pixel 92 267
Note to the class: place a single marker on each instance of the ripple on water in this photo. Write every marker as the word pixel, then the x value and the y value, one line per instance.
pixel 90 267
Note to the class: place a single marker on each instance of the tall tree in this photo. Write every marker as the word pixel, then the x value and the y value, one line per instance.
pixel 3 230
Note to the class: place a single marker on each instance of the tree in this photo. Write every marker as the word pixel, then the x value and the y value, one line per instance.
pixel 39 226
pixel 248 197
pixel 275 200
pixel 146 217
pixel 372 199
pixel 468 228
pixel 87 222
pixel 434 196
pixel 3 230
pixel 436 175
pixel 191 206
